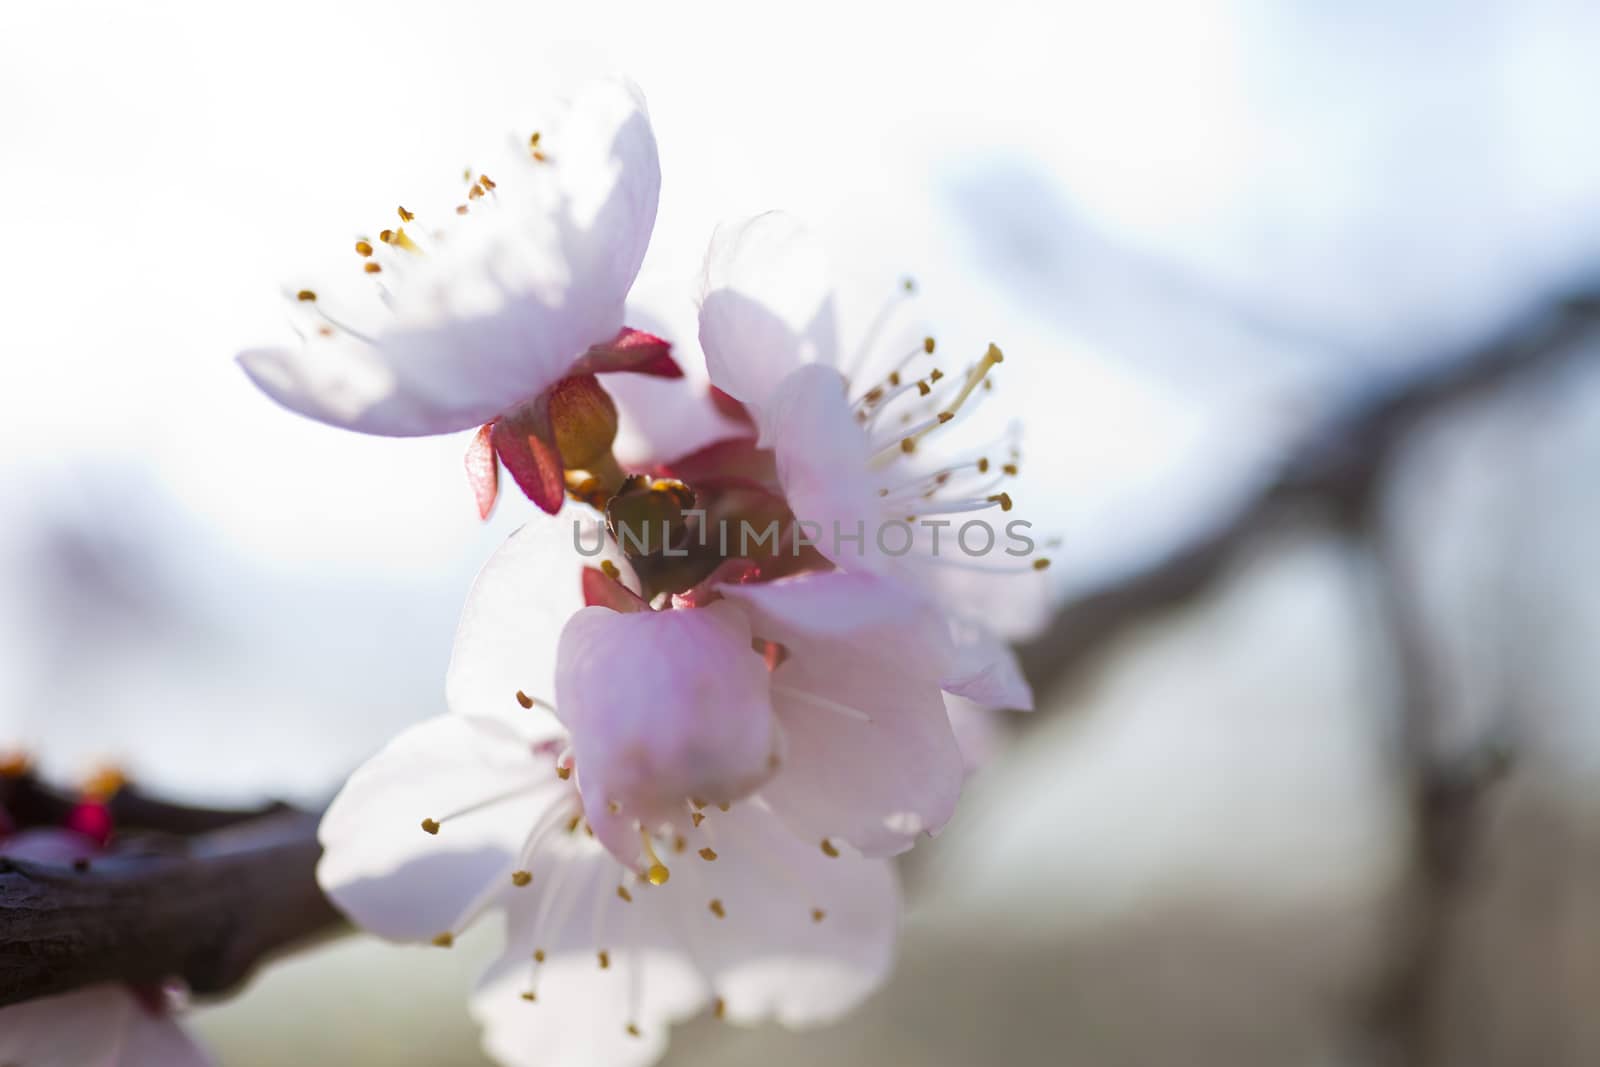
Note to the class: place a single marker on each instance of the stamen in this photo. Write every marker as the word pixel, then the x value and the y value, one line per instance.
pixel 521 878
pixel 305 296
pixel 605 959
pixel 708 854
pixel 717 909
pixel 720 1009
pixel 364 248
pixel 817 915
pixel 820 701
pixel 657 873
pixel 829 850
pixel 444 940
pixel 406 216
pixel 430 826
pixel 624 895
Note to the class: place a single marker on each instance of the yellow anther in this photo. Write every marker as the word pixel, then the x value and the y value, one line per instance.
pixel 1010 468
pixel 521 878
pixel 721 1008
pixel 610 570
pixel 698 817
pixel 614 808
pixel 909 285
pixel 680 844
pixel 657 874
pixel 1003 499
pixel 708 854
pixel 524 699
pixel 937 375
pixel 1040 564
pixel 305 296
pixel 983 466
pixel 406 216
pixel 724 806
pixel 633 1031
pixel 572 824
pixel 530 996
pixel 386 236
pixel 372 268
pixel 461 209
pixel 622 892
pixel 483 180
pixel 697 802
pixel 605 959
pixel 817 915
pixel 927 345
pixel 538 955
pixel 717 909
pixel 894 378
pixel 563 773
pixel 364 248
pixel 430 826
pixel 829 850
pixel 908 445
pixel 923 388
pixel 444 940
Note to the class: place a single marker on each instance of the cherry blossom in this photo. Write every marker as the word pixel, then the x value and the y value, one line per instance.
pixel 498 314
pixel 464 814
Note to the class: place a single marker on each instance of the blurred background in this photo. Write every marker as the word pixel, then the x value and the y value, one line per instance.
pixel 1302 309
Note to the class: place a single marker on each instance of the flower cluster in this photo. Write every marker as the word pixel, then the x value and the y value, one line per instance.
pixel 690 800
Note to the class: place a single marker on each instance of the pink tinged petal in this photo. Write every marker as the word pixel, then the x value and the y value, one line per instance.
pixel 822 463
pixel 483 469
pixel 870 754
pixel 601 590
pixel 525 442
pixel 662 418
pixel 985 670
pixel 633 351
pixel 805 936
pixel 506 641
pixel 978 730
pixel 479 786
pixel 84 1028
pixel 498 309
pixel 732 461
pixel 661 706
pixel 159 1041
pixel 766 307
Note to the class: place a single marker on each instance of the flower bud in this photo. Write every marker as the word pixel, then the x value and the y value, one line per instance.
pixel 584 419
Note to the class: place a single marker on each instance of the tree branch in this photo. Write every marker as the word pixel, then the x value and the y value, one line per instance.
pixel 207 909
pixel 1338 465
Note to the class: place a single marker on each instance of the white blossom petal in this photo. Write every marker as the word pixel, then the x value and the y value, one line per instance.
pixel 506 641
pixel 478 780
pixel 771 928
pixel 766 307
pixel 98 1026
pixel 496 307
pixel 869 752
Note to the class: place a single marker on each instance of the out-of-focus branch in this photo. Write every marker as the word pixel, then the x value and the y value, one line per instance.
pixel 1337 467
pixel 206 909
